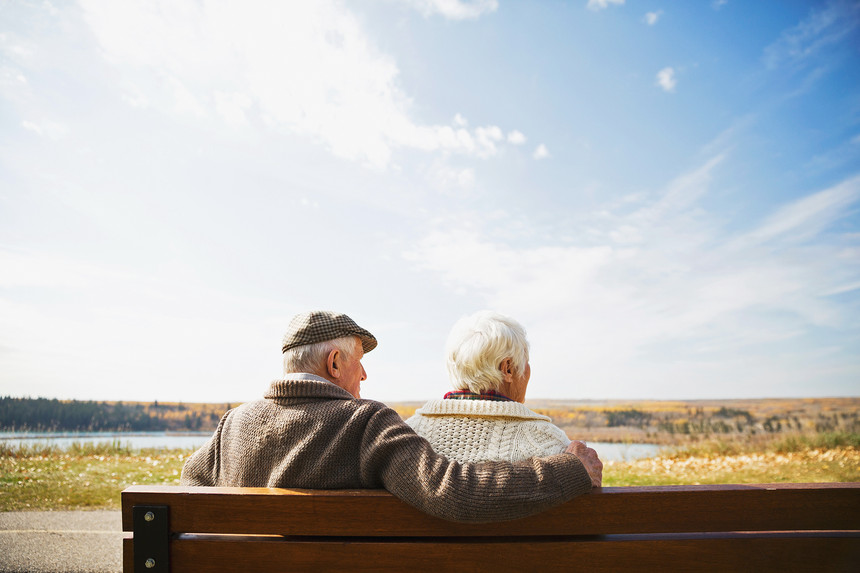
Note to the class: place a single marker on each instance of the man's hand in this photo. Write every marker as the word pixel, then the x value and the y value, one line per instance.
pixel 589 459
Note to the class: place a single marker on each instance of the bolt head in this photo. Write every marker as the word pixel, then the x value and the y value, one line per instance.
pixel 148 516
pixel 150 563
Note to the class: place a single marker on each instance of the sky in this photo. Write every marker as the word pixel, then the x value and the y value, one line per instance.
pixel 666 194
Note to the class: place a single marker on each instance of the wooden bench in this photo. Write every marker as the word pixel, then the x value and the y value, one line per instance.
pixel 762 527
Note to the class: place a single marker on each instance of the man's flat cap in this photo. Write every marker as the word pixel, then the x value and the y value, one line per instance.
pixel 321 325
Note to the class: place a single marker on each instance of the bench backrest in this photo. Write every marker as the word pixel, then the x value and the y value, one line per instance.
pixel 784 527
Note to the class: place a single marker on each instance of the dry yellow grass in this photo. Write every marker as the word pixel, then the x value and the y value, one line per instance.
pixel 816 465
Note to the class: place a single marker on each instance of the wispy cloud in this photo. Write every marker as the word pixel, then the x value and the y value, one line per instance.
pixel 807 217
pixel 335 87
pixel 718 4
pixel 822 28
pixel 679 195
pixel 666 79
pixel 541 152
pixel 602 4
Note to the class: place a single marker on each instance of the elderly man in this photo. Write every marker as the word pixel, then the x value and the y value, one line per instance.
pixel 314 431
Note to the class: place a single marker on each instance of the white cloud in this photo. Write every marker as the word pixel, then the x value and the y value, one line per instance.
pixel 466 258
pixel 602 4
pixel 455 9
pixel 487 137
pixel 184 101
pixel 232 107
pixel 637 285
pixel 516 137
pixel 666 79
pixel 11 77
pixel 46 128
pixel 651 18
pixel 303 67
pixel 541 152
pixel 446 177
pixel 134 96
pixel 481 142
pixel 718 4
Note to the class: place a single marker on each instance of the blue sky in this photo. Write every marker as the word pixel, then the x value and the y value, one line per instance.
pixel 665 194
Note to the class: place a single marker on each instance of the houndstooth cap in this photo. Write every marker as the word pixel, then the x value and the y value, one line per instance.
pixel 321 325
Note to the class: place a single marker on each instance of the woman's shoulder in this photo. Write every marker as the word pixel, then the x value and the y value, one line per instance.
pixel 540 438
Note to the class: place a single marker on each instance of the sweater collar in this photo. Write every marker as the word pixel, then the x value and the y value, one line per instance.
pixel 479 408
pixel 304 385
pixel 491 395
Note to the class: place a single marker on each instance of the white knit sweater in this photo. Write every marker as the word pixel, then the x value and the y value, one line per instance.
pixel 485 430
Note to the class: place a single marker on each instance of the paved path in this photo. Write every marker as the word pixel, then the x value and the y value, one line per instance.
pixel 60 541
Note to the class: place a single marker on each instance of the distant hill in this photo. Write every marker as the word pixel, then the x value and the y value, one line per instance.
pixel 52 415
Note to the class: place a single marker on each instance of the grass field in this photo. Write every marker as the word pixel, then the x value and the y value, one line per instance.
pixel 831 457
pixel 92 477
pixel 89 477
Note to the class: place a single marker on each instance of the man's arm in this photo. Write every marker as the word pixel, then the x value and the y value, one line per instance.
pixel 201 468
pixel 589 459
pixel 493 491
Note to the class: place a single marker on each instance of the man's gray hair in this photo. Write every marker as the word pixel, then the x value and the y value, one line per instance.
pixel 312 357
pixel 478 344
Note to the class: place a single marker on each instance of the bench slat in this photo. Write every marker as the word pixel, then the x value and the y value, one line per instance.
pixel 737 552
pixel 669 509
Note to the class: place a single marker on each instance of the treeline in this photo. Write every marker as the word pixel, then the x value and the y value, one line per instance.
pixel 52 415
pixel 800 416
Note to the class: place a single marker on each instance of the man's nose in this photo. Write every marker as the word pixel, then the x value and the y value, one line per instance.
pixel 363 373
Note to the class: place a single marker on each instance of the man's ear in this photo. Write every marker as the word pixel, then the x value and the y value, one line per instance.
pixel 332 364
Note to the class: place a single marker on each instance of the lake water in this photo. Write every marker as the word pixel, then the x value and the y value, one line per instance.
pixel 132 440
pixel 193 440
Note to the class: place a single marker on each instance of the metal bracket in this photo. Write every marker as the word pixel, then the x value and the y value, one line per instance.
pixel 151 538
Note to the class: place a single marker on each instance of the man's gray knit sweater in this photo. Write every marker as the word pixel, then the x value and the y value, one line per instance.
pixel 309 433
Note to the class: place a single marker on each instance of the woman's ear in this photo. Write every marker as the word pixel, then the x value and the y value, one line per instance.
pixel 507 369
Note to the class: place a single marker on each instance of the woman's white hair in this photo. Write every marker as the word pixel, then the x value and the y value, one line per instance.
pixel 312 357
pixel 478 344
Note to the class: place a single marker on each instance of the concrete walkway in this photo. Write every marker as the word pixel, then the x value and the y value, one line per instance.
pixel 60 541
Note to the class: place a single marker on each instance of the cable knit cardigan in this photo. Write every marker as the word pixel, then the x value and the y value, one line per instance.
pixel 482 430
pixel 309 433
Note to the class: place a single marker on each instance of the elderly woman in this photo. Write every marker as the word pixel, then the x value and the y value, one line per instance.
pixel 484 417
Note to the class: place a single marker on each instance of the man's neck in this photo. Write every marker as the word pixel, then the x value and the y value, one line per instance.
pixel 304 376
